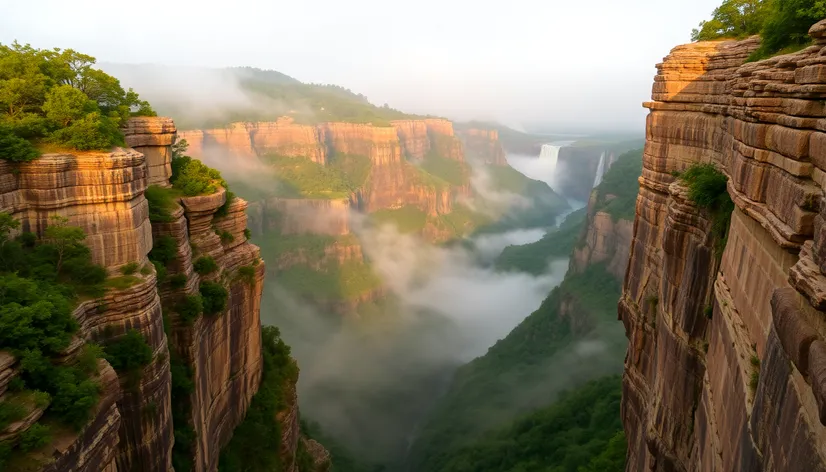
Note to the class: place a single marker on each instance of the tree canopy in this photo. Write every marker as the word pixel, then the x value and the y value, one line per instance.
pixel 56 96
pixel 782 24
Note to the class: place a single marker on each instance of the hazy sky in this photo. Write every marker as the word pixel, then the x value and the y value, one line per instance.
pixel 569 63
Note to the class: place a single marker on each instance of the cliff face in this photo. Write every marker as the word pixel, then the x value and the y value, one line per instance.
pixel 131 427
pixel 724 369
pixel 483 145
pixel 606 240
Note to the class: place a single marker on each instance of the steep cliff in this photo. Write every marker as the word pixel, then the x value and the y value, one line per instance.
pixel 483 145
pixel 724 365
pixel 217 353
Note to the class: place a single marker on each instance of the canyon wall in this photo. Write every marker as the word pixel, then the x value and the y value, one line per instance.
pixel 606 240
pixel 725 364
pixel 131 428
pixel 483 145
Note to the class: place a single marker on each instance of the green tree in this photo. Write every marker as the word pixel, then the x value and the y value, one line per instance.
pixel 788 24
pixel 63 238
pixel 14 148
pixel 65 104
pixel 733 19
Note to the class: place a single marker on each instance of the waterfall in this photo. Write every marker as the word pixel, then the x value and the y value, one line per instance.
pixel 550 153
pixel 600 170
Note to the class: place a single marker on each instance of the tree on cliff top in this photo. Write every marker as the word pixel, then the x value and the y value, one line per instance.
pixel 782 24
pixel 55 96
pixel 733 19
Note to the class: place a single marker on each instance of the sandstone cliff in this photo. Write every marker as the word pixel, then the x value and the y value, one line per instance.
pixel 483 145
pixel 606 240
pixel 103 193
pixel 725 364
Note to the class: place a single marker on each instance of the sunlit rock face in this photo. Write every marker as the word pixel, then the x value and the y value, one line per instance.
pixel 103 193
pixel 725 364
pixel 484 145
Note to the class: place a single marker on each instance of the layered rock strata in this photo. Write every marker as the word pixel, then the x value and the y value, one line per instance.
pixel 131 428
pixel 483 145
pixel 606 240
pixel 725 364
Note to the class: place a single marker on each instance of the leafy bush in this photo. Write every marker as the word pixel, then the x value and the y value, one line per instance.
pixel 205 265
pixel 247 233
pixel 164 250
pixel 190 308
pixel 214 297
pixel 10 411
pixel 192 177
pixel 707 188
pixel 56 96
pixel 129 352
pixel 129 268
pixel 247 274
pixel 161 201
pixel 178 281
pixel 226 236
pixel 160 272
pixel 37 436
pixel 14 148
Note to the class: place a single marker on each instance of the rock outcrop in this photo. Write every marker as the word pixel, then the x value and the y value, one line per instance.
pixel 131 428
pixel 724 370
pixel 483 145
pixel 606 240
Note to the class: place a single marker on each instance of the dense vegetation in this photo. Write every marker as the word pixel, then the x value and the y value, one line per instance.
pixel 256 442
pixel 55 97
pixel 581 432
pixel 708 189
pixel 519 373
pixel 40 282
pixel 300 177
pixel 407 219
pixel 782 24
pixel 617 194
pixel 450 170
pixel 557 243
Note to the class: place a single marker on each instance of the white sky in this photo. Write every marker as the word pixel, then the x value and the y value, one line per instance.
pixel 569 64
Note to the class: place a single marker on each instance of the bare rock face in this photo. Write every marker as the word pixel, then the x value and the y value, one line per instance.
pixel 606 241
pixel 153 136
pixel 724 370
pixel 483 145
pixel 413 137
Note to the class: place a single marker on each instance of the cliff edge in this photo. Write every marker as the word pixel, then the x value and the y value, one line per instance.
pixel 726 363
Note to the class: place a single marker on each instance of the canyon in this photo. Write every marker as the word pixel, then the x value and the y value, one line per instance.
pixel 725 363
pixel 131 427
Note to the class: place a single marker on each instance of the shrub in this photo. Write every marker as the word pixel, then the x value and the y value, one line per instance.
pixel 10 411
pixel 129 268
pixel 787 25
pixel 190 308
pixel 161 201
pixel 146 269
pixel 223 210
pixel 707 188
pixel 192 177
pixel 129 352
pixel 177 281
pixel 164 250
pixel 214 296
pixel 226 236
pixel 160 272
pixel 247 274
pixel 14 148
pixel 247 233
pixel 205 265
pixel 37 436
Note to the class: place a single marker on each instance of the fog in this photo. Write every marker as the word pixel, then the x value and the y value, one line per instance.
pixel 572 65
